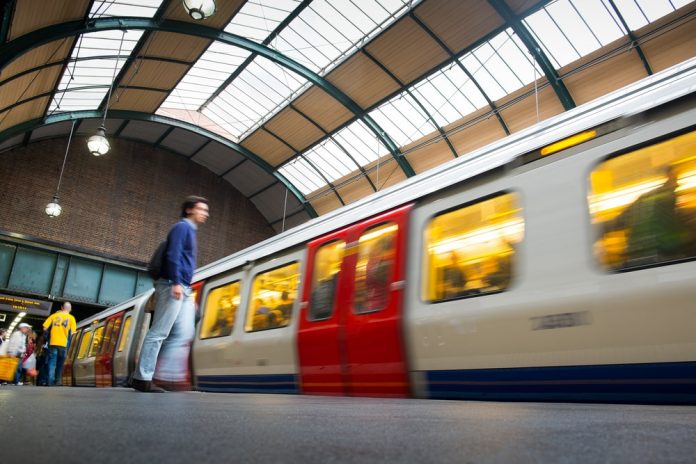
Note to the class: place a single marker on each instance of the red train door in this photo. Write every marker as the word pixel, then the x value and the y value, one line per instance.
pixel 350 338
pixel 103 365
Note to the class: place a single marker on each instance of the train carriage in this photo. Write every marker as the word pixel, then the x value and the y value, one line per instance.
pixel 523 270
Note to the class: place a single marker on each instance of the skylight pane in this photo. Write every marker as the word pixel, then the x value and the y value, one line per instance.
pixel 360 142
pixel 258 18
pixel 328 158
pixel 655 9
pixel 307 179
pixel 255 95
pixel 601 18
pixel 205 77
pixel 478 70
pixel 631 13
pixel 568 20
pixel 110 8
pixel 516 58
pixel 556 46
pixel 97 72
pixel 329 30
pixel 402 119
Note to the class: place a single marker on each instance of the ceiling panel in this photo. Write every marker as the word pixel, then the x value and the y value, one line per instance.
pixel 407 50
pixel 323 109
pixel 183 141
pixel 145 131
pixel 268 147
pixel 19 114
pixel 248 178
pixel 274 201
pixel 453 23
pixel 30 15
pixel 429 156
pixel 294 129
pixel 363 80
pixel 218 158
pixel 52 130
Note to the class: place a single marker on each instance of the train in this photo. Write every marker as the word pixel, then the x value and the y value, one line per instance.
pixel 557 264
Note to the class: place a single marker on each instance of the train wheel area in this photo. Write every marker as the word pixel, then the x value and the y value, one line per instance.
pixel 120 425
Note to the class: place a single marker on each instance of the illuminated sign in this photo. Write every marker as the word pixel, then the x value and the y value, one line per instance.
pixel 20 304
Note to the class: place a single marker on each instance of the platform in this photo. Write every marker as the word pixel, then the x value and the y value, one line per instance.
pixel 121 425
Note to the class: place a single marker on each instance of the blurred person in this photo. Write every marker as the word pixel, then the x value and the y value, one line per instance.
pixel 17 346
pixel 41 352
pixel 379 263
pixel 3 333
pixel 29 358
pixel 60 327
pixel 321 302
pixel 173 322
pixel 453 278
pixel 656 232
pixel 285 307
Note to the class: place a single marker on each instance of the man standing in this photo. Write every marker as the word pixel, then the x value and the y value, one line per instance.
pixel 173 321
pixel 60 326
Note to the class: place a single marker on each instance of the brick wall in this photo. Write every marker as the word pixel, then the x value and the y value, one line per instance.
pixel 121 204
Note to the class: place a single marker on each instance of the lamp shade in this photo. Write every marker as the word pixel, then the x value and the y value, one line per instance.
pixel 53 209
pixel 98 144
pixel 199 9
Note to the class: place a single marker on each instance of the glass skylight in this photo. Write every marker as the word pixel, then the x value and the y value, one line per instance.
pixel 258 18
pixel 639 13
pixel 110 8
pixel 329 30
pixel 501 65
pixel 449 95
pixel 403 119
pixel 96 74
pixel 260 90
pixel 302 175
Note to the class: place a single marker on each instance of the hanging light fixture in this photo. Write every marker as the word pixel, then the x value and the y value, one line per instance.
pixel 53 209
pixel 200 9
pixel 97 144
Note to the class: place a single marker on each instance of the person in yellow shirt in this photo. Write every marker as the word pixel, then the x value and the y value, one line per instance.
pixel 59 327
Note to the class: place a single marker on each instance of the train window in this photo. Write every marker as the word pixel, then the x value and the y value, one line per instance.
pixel 84 344
pixel 471 250
pixel 272 297
pixel 374 268
pixel 96 341
pixel 327 265
pixel 220 310
pixel 124 337
pixel 74 338
pixel 107 337
pixel 643 205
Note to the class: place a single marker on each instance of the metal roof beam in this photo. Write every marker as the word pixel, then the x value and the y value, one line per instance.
pixel 634 39
pixel 20 45
pixel 407 90
pixel 455 59
pixel 7 10
pixel 534 48
pixel 173 123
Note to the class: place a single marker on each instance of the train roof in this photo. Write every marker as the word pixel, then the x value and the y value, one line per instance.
pixel 113 310
pixel 650 92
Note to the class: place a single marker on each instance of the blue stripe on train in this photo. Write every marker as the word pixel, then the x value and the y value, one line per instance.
pixel 272 383
pixel 655 382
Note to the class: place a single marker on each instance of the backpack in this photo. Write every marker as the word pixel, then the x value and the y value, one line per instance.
pixel 154 267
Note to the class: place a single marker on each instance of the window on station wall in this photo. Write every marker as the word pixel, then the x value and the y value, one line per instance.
pixel 96 341
pixel 84 344
pixel 472 250
pixel 643 205
pixel 374 269
pixel 124 336
pixel 220 310
pixel 327 267
pixel 272 297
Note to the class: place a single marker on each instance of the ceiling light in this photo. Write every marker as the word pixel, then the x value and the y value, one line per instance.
pixel 199 9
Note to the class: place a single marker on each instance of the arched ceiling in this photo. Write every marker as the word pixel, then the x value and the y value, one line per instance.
pixel 322 101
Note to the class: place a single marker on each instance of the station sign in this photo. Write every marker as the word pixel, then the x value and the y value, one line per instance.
pixel 19 304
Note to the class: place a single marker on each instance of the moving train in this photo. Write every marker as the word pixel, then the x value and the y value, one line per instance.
pixel 556 264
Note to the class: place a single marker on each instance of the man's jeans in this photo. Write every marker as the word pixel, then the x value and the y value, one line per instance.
pixel 172 331
pixel 56 359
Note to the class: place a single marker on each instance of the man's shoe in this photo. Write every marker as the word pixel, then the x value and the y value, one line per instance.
pixel 172 386
pixel 146 386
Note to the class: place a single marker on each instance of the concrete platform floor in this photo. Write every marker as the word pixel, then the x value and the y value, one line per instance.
pixel 89 425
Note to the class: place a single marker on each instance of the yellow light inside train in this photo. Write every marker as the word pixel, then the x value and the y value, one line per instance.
pixel 568 142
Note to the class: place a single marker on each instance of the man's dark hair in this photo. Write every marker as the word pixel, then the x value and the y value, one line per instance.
pixel 190 202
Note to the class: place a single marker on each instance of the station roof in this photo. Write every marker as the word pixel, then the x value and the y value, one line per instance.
pixel 308 105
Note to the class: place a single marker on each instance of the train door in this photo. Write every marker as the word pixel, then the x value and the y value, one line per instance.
pixel 70 358
pixel 350 339
pixel 120 364
pixel 79 372
pixel 86 366
pixel 103 367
